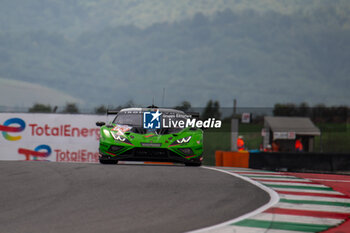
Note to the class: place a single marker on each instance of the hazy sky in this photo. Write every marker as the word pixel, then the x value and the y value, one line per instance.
pixel 108 52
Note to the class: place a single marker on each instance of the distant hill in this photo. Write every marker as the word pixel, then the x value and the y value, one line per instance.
pixel 23 94
pixel 260 52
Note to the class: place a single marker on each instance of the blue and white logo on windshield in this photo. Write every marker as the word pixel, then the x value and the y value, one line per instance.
pixel 151 120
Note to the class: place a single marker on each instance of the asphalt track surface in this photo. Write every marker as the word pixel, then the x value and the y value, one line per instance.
pixel 81 198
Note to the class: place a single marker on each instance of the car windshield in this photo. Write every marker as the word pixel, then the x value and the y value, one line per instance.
pixel 135 119
pixel 129 118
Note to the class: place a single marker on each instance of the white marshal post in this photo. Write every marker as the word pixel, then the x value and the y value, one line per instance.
pixel 234 134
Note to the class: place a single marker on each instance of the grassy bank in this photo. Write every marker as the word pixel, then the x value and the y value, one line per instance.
pixel 334 138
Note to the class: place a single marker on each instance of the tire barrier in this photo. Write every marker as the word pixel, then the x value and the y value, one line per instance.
pixel 299 162
pixel 232 159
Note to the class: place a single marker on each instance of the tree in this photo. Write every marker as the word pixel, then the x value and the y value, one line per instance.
pixel 101 110
pixel 285 110
pixel 71 108
pixel 40 108
pixel 208 110
pixel 128 104
pixel 304 110
pixel 184 106
pixel 212 110
pixel 216 110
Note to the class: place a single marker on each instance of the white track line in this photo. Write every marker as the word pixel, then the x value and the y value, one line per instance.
pixel 271 176
pixel 315 207
pixel 330 180
pixel 237 169
pixel 306 190
pixel 296 219
pixel 274 199
pixel 294 184
pixel 313 198
pixel 238 229
pixel 258 172
pixel 281 179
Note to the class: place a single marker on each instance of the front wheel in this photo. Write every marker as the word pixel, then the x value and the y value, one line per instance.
pixel 193 164
pixel 109 161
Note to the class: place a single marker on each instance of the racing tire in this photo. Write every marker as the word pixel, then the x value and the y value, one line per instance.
pixel 105 161
pixel 193 164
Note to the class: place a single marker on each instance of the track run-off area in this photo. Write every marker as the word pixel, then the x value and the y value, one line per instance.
pixel 78 197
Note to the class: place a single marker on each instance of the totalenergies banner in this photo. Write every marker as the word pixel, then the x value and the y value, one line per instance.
pixel 49 137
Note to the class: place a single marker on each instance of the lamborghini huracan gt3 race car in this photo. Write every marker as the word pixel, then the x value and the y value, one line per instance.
pixel 151 134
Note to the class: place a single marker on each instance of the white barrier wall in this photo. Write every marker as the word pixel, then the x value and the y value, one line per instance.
pixel 50 137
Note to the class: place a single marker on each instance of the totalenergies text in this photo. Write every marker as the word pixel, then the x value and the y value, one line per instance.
pixel 64 131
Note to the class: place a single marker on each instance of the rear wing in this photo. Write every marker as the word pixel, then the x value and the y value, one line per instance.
pixel 112 112
pixel 193 114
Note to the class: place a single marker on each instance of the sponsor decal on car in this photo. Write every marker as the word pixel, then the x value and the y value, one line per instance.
pixel 152 120
pixel 121 129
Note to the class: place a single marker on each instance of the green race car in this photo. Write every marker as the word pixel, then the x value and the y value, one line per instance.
pixel 151 134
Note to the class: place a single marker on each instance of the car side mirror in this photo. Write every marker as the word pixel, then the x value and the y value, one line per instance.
pixel 100 123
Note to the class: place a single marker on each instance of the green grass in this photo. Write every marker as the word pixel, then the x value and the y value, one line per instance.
pixel 335 139
pixel 215 141
pixel 221 139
